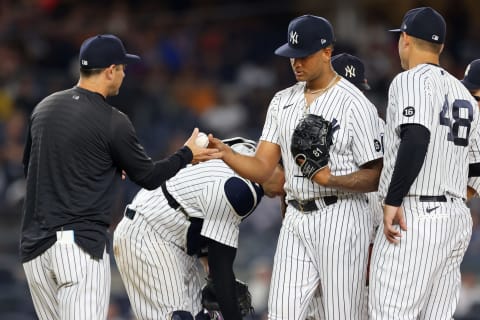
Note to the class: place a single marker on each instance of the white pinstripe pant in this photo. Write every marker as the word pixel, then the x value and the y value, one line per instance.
pixel 420 277
pixel 67 283
pixel 159 276
pixel 330 247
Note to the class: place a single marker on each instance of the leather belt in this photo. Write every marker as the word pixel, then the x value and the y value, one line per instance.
pixel 129 213
pixel 432 198
pixel 311 205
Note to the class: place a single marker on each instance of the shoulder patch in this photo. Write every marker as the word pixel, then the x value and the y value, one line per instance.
pixel 409 111
pixel 242 196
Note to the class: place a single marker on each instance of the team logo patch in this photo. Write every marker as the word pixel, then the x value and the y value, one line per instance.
pixel 409 111
pixel 377 145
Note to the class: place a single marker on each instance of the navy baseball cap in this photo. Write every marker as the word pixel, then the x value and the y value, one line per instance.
pixel 351 68
pixel 471 80
pixel 424 23
pixel 306 35
pixel 103 50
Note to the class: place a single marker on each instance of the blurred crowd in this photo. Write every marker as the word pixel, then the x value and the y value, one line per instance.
pixel 208 64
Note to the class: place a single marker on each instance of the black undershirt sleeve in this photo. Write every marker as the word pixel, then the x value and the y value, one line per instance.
pixel 411 155
pixel 220 263
pixel 26 151
pixel 130 156
pixel 474 170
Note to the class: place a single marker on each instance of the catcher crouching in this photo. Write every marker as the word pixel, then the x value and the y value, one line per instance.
pixel 194 215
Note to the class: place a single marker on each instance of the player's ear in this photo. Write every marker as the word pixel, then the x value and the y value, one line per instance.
pixel 109 71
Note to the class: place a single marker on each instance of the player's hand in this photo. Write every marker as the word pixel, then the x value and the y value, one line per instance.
pixel 322 177
pixel 223 149
pixel 471 193
pixel 200 154
pixel 393 216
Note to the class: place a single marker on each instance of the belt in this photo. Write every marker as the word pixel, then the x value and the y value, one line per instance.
pixel 129 213
pixel 171 200
pixel 311 205
pixel 432 198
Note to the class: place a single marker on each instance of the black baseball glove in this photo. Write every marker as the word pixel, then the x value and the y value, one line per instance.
pixel 311 141
pixel 210 302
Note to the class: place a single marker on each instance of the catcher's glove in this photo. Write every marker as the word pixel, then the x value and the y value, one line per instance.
pixel 210 302
pixel 311 141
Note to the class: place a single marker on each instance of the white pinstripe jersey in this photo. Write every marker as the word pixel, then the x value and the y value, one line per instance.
pixel 430 96
pixel 199 189
pixel 355 143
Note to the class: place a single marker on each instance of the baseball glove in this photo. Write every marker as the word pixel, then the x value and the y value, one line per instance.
pixel 311 141
pixel 210 302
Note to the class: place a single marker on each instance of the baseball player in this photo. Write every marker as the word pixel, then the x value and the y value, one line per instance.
pixel 325 233
pixel 431 136
pixel 77 146
pixel 157 243
pixel 352 68
pixel 471 81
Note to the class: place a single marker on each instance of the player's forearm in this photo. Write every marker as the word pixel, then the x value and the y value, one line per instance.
pixel 364 180
pixel 248 167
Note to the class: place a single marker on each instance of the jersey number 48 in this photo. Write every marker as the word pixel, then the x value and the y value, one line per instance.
pixel 458 121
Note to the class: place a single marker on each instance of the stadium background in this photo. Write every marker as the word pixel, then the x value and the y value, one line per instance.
pixel 205 63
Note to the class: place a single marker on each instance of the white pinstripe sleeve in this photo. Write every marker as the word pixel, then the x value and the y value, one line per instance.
pixel 366 139
pixel 270 128
pixel 474 157
pixel 413 99
pixel 221 222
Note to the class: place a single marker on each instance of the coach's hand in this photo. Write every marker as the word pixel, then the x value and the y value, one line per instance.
pixel 393 216
pixel 200 154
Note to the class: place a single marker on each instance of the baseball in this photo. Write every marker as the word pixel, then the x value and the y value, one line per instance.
pixel 202 140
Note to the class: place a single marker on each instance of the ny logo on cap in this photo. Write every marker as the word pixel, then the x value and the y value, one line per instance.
pixel 293 37
pixel 350 71
pixel 435 37
pixel 84 63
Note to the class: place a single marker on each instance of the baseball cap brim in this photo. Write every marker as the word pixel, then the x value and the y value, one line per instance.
pixel 289 52
pixel 470 86
pixel 363 86
pixel 131 58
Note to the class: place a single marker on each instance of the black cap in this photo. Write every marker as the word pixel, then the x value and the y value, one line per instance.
pixel 471 80
pixel 351 68
pixel 424 23
pixel 306 35
pixel 101 51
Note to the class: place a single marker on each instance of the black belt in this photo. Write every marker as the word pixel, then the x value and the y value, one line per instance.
pixel 311 205
pixel 432 198
pixel 171 200
pixel 130 213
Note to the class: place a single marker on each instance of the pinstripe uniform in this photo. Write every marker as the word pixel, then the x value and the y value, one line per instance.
pixel 419 278
pixel 330 244
pixel 374 201
pixel 149 249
